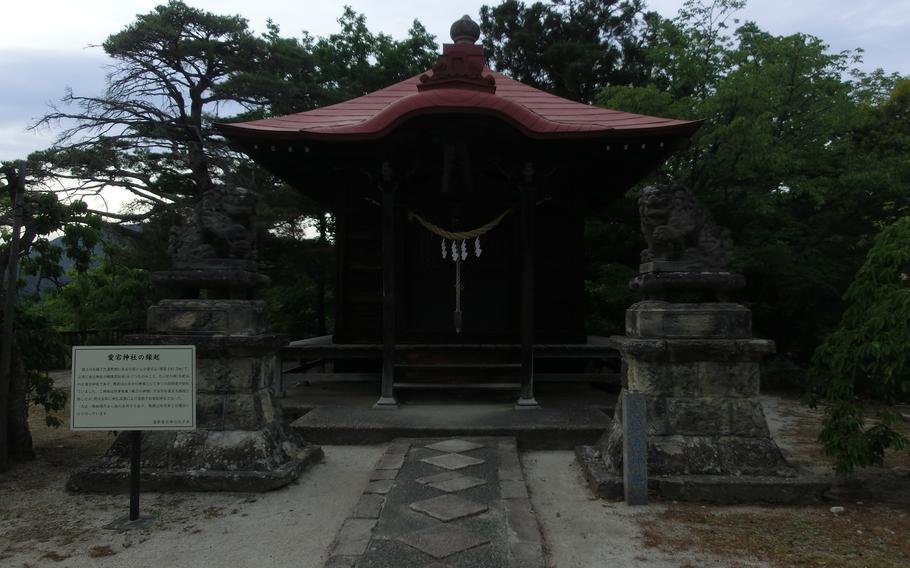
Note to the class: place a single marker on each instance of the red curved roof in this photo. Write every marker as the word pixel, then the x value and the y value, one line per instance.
pixel 534 112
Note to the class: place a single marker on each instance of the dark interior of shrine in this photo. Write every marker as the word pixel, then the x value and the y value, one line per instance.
pixel 459 172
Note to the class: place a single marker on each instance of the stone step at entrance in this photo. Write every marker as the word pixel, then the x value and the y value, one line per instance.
pixel 557 426
pixel 443 503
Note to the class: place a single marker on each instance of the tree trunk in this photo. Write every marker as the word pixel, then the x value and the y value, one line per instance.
pixel 16 186
pixel 19 435
pixel 4 390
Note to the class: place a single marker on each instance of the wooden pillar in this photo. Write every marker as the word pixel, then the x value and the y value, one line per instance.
pixel 387 396
pixel 528 196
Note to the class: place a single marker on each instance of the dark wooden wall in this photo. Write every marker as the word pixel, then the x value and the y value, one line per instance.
pixel 491 288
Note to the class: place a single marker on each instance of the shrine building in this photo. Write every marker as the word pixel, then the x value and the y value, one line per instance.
pixel 460 197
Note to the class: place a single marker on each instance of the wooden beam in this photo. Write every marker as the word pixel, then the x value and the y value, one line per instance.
pixel 387 396
pixel 605 378
pixel 528 195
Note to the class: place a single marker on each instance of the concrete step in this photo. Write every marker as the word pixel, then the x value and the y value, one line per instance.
pixel 560 427
pixel 442 365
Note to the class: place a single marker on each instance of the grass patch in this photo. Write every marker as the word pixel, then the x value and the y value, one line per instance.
pixel 810 537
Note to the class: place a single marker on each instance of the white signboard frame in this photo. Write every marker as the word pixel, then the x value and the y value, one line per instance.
pixel 133 387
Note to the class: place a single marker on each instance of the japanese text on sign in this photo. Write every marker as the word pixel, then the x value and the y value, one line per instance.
pixel 134 388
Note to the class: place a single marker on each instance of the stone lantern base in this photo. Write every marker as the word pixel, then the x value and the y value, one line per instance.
pixel 240 443
pixel 697 366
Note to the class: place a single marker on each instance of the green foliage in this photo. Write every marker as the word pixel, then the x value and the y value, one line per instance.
pixel 572 48
pixel 300 296
pixel 42 392
pixel 39 342
pixel 43 349
pixel 803 165
pixel 607 294
pixel 150 133
pixel 295 75
pixel 355 61
pixel 109 296
pixel 866 356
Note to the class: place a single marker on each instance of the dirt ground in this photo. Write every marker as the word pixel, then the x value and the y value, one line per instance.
pixel 872 530
pixel 43 525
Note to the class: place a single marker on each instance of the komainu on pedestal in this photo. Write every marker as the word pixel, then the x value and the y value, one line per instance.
pixel 690 352
pixel 240 443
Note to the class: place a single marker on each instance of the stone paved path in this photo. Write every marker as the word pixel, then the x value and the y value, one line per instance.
pixel 443 503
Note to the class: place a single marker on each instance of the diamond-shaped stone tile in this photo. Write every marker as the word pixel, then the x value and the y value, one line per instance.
pixel 440 541
pixel 459 483
pixel 454 446
pixel 451 481
pixel 448 507
pixel 452 461
pixel 436 477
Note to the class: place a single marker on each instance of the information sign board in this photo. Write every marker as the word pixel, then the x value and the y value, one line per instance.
pixel 133 387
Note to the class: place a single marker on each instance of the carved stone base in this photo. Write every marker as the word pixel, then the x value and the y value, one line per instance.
pixel 662 285
pixel 204 460
pixel 240 443
pixel 215 317
pixel 800 488
pixel 698 369
pixel 704 415
pixel 235 283
pixel 658 319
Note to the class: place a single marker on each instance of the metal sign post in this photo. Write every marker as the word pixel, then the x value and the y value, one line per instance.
pixel 135 452
pixel 133 388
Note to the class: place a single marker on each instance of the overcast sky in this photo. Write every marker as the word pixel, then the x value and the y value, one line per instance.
pixel 44 45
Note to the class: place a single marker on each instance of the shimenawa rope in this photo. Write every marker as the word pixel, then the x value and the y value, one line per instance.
pixel 459 250
pixel 458 235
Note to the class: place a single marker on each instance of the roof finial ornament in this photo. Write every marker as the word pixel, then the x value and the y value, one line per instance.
pixel 465 30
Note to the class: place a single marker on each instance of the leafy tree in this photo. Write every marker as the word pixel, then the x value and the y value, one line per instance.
pixel 572 48
pixel 355 61
pixel 295 75
pixel 150 132
pixel 42 349
pixel 26 218
pixel 866 357
pixel 110 296
pixel 787 157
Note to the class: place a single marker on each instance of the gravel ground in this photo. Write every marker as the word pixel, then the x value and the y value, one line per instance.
pixel 293 526
pixel 42 525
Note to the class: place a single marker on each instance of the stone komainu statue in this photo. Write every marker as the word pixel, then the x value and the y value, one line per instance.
pixel 222 226
pixel 680 229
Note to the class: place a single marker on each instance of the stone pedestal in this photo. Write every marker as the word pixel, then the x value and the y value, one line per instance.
pixel 240 443
pixel 698 368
